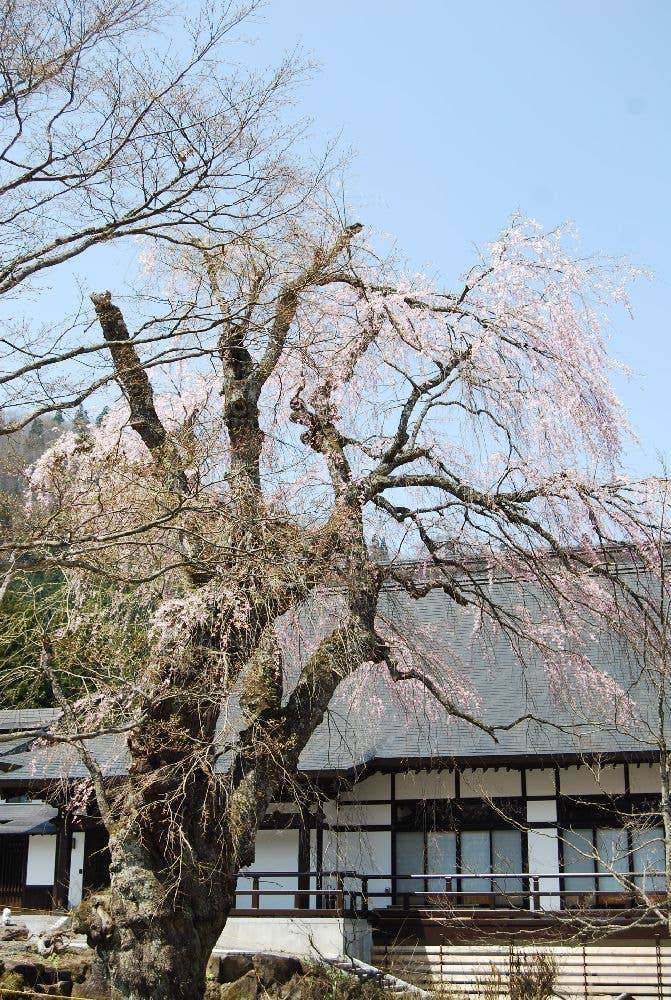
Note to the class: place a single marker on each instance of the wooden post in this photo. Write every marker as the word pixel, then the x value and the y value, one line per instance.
pixel 340 885
pixel 63 854
pixel 302 899
pixel 256 898
pixel 535 892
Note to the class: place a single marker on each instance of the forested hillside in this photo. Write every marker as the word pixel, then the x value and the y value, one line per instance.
pixel 30 600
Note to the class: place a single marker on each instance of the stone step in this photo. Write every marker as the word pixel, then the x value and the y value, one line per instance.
pixel 365 973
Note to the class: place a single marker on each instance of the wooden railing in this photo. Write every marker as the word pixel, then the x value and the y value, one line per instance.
pixel 348 892
pixel 329 892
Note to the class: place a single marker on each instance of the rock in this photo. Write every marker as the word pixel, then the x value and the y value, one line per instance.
pixel 44 977
pixel 232 967
pixel 76 971
pixel 48 944
pixel 95 982
pixel 14 932
pixel 245 988
pixel 275 969
pixel 78 966
pixel 28 971
pixel 291 988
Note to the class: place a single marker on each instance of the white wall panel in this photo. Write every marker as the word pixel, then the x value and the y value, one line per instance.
pixel 542 811
pixel 543 849
pixel 276 851
pixel 41 859
pixel 357 814
pixel 483 783
pixel 76 869
pixel 364 852
pixel 425 785
pixel 540 782
pixel 377 786
pixel 585 780
pixel 644 778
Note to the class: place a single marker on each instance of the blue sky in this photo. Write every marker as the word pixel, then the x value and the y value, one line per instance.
pixel 459 114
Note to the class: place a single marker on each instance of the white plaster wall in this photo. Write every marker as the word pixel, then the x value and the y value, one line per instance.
pixel 313 865
pixel 367 852
pixel 276 851
pixel 312 937
pixel 542 811
pixel 541 782
pixel 543 851
pixel 490 783
pixel 644 778
pixel 585 780
pixel 376 815
pixel 425 785
pixel 357 814
pixel 364 851
pixel 377 786
pixel 76 870
pixel 41 859
pixel 380 861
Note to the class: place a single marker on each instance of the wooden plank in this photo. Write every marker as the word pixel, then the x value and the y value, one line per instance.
pixel 598 970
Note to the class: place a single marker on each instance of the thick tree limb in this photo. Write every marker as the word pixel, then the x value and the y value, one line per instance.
pixel 137 388
pixel 289 298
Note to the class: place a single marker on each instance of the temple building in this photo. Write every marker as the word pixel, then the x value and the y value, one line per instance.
pixel 416 841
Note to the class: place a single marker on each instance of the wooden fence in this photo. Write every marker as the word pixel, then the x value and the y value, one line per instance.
pixel 641 968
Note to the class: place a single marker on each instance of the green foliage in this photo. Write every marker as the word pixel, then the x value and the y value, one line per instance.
pixel 325 982
pixel 32 604
pixel 98 638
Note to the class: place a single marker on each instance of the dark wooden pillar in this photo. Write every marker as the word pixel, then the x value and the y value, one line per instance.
pixel 63 852
pixel 303 900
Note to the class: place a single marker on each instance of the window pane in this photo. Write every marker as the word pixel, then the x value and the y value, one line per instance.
pixel 475 858
pixel 410 861
pixel 578 857
pixel 507 857
pixel 648 856
pixel 442 858
pixel 612 850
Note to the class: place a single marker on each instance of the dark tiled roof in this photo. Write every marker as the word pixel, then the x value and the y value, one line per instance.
pixel 12 719
pixel 369 723
pixel 27 817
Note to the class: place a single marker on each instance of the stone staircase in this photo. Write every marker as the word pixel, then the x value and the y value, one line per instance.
pixel 366 973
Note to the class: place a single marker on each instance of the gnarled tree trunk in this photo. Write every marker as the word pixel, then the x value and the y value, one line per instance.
pixel 154 938
pixel 179 834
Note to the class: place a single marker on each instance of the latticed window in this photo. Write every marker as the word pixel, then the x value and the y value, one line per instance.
pixel 467 854
pixel 594 857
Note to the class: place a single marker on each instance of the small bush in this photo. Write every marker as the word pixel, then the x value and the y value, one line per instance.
pixel 12 981
pixel 532 977
pixel 490 987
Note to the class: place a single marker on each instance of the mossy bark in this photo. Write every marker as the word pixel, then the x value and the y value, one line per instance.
pixel 155 938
